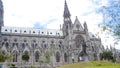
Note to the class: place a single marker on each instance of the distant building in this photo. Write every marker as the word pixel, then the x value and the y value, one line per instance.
pixel 72 42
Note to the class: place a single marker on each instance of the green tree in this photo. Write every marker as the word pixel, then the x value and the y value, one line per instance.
pixel 4 57
pixel 111 17
pixel 107 55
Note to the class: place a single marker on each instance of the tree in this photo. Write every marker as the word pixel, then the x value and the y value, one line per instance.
pixel 107 55
pixel 4 57
pixel 111 15
pixel 45 57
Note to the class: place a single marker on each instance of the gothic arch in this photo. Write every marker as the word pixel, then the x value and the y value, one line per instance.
pixel 37 55
pixel 57 57
pixel 80 56
pixel 3 43
pixel 26 52
pixel 15 56
pixel 34 43
pixel 65 57
pixel 7 45
pixel 78 41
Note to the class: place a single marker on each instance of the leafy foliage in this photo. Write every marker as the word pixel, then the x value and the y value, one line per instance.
pixel 111 14
pixel 4 57
pixel 107 55
pixel 25 57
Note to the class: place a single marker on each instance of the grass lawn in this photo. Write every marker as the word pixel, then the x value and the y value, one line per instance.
pixel 92 64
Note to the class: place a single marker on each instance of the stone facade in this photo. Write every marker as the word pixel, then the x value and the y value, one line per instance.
pixel 70 44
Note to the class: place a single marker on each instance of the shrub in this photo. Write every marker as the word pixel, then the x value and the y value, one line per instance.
pixel 25 57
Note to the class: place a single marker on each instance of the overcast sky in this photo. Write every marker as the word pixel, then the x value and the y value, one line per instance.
pixel 48 14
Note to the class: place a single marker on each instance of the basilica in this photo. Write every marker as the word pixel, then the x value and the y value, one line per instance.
pixel 72 43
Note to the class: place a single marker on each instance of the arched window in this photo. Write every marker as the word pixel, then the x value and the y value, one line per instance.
pixel 36 45
pixel 60 44
pixel 26 52
pixel 13 44
pixel 52 44
pixel 57 57
pixel 7 45
pixel 92 48
pixel 32 45
pixel 36 56
pixel 65 57
pixel 3 43
pixel 23 45
pixel 15 56
pixel 79 40
pixel 25 56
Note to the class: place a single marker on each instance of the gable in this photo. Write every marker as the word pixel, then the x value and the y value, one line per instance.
pixel 77 25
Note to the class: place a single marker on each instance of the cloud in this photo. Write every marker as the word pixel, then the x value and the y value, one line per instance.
pixel 47 13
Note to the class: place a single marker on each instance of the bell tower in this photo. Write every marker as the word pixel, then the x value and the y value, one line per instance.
pixel 1 14
pixel 67 20
pixel 1 20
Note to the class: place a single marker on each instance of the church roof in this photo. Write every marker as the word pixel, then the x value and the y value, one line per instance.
pixel 33 31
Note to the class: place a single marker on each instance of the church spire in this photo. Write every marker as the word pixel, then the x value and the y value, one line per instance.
pixel 1 14
pixel 66 10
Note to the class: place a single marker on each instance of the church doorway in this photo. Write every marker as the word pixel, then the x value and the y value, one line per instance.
pixel 80 57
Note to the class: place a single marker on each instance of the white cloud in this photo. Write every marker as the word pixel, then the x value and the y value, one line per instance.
pixel 20 12
pixel 25 13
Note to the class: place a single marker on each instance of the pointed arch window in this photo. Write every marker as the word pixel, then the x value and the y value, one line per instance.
pixel 36 56
pixel 23 45
pixel 57 57
pixel 13 44
pixel 25 56
pixel 77 26
pixel 43 45
pixel 3 43
pixel 79 40
pixel 65 57
pixel 26 52
pixel 7 45
pixel 34 44
pixel 15 56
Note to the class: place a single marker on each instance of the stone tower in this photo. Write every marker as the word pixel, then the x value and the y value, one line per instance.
pixel 67 20
pixel 1 14
pixel 1 19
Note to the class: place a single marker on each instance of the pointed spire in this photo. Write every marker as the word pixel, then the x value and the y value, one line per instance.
pixel 66 10
pixel 1 13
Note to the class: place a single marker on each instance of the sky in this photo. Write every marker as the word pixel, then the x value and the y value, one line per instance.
pixel 48 14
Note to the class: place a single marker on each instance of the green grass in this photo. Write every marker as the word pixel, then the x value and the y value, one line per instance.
pixel 92 64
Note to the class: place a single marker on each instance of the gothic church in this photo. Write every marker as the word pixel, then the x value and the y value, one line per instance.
pixel 72 43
